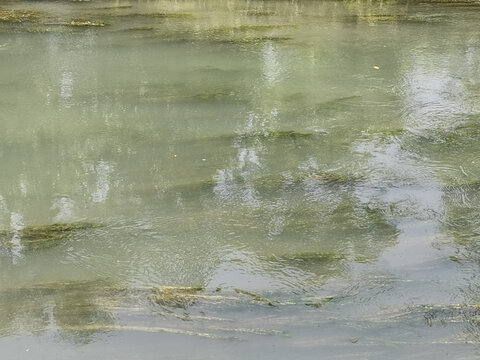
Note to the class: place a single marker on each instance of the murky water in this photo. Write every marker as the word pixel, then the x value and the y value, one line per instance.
pixel 239 179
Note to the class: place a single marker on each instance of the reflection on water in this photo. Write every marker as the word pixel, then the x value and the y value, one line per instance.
pixel 241 177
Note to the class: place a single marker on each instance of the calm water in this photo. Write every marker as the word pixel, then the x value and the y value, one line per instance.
pixel 239 179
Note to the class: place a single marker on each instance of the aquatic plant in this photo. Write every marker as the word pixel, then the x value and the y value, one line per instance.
pixel 18 16
pixel 318 303
pixel 255 297
pixel 252 40
pixel 176 296
pixel 44 236
pixel 313 257
pixel 80 23
pixel 157 15
pixel 258 12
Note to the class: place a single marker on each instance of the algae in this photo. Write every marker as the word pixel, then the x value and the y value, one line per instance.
pixel 67 303
pixel 381 18
pixel 267 135
pixel 174 296
pixel 80 23
pixel 320 303
pixel 120 7
pixel 271 182
pixel 18 16
pixel 253 40
pixel 329 104
pixel 45 236
pixel 253 27
pixel 313 257
pixel 255 297
pixel 141 28
pixel 259 12
pixel 158 15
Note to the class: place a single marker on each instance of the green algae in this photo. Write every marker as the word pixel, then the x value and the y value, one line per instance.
pixel 120 7
pixel 45 236
pixel 79 23
pixel 363 259
pixel 313 257
pixel 259 12
pixel 385 133
pixel 252 40
pixel 318 304
pixel 175 296
pixel 272 182
pixel 334 103
pixel 67 303
pixel 252 27
pixel 453 3
pixel 267 135
pixel 157 15
pixel 255 297
pixel 140 28
pixel 18 16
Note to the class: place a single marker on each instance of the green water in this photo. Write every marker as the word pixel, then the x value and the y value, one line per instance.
pixel 239 179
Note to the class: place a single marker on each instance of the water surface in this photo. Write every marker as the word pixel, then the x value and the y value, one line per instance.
pixel 239 179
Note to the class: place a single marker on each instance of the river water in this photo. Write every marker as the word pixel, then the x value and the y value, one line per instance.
pixel 239 179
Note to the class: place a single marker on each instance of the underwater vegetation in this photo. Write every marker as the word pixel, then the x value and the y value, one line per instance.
pixel 18 16
pixel 175 296
pixel 43 236
pixel 255 297
pixel 155 15
pixel 81 23
pixel 379 18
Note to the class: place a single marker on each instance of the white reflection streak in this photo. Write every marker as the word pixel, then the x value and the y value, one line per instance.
pixel 103 170
pixel 432 98
pixel 66 87
pixel 271 65
pixel 64 205
pixel 3 204
pixel 17 224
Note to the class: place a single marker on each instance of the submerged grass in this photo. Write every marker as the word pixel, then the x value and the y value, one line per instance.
pixel 255 297
pixel 272 182
pixel 44 236
pixel 313 257
pixel 18 16
pixel 175 296
pixel 156 15
pixel 253 40
pixel 79 23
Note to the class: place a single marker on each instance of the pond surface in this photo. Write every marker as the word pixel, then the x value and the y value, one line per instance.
pixel 239 179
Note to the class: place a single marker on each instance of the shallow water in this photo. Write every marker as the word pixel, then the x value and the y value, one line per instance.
pixel 244 178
